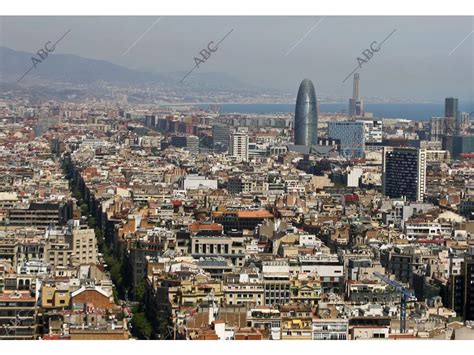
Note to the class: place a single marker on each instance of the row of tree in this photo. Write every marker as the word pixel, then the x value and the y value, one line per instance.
pixel 117 265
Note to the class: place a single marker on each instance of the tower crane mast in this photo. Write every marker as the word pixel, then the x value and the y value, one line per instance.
pixel 405 296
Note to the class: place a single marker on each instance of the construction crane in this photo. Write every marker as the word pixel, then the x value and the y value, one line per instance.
pixel 405 296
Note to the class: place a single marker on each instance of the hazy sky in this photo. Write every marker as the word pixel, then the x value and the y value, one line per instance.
pixel 416 62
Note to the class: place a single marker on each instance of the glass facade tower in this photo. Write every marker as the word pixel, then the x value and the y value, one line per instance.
pixel 306 115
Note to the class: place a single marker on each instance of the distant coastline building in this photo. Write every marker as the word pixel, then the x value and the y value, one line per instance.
pixel 451 111
pixel 306 115
pixel 356 104
pixel 454 122
pixel 404 173
pixel 440 127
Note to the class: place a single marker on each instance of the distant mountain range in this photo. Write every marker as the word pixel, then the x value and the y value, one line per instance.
pixel 68 68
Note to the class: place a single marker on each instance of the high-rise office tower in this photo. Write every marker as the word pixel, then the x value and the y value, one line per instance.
pixel 460 144
pixel 450 107
pixel 220 136
pixel 356 104
pixel 351 136
pixel 404 173
pixel 190 143
pixel 150 120
pixel 239 144
pixel 451 111
pixel 306 115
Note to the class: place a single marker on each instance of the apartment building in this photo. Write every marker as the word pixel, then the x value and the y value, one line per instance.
pixel 330 329
pixel 276 281
pixel 40 215
pixel 296 322
pixel 246 294
pixel 84 246
pixel 266 319
pixel 17 315
pixel 228 247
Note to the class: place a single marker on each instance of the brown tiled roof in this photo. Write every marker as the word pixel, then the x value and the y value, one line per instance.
pixel 205 227
pixel 254 214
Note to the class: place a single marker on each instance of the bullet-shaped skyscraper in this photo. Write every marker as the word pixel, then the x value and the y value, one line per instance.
pixel 306 115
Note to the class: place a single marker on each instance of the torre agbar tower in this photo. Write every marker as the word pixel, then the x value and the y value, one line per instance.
pixel 306 115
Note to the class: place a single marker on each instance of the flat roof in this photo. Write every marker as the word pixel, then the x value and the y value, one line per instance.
pixel 12 296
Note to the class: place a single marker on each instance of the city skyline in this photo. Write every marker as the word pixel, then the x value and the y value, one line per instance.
pixel 171 50
pixel 230 175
